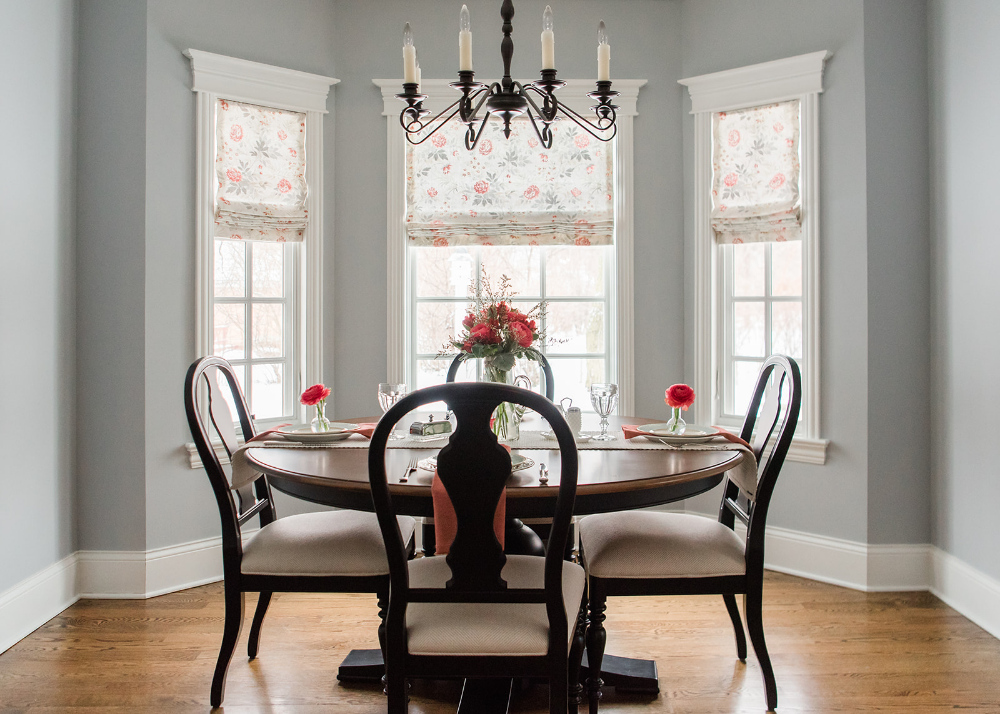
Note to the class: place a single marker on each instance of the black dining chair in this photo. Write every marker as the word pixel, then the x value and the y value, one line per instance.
pixel 543 363
pixel 650 553
pixel 478 612
pixel 330 551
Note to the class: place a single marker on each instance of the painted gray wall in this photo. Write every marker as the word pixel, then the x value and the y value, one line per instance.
pixel 37 50
pixel 368 45
pixel 721 34
pixel 896 132
pixel 111 136
pixel 965 99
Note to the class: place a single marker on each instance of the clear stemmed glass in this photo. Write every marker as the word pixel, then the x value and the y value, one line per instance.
pixel 389 394
pixel 604 397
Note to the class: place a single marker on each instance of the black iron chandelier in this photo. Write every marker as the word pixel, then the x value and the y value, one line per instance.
pixel 506 98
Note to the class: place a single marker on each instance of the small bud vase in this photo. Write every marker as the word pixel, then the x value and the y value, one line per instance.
pixel 320 423
pixel 676 424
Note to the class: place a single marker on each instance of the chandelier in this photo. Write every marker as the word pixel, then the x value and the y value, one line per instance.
pixel 507 98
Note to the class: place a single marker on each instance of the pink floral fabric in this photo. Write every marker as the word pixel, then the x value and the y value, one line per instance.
pixel 755 181
pixel 261 173
pixel 510 191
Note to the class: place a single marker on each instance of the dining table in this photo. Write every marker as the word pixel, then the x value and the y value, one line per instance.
pixel 612 476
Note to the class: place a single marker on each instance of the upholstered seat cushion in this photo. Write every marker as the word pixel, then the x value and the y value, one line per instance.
pixel 487 628
pixel 645 544
pixel 326 543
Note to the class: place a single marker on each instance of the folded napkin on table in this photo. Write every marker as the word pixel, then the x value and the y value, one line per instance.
pixel 744 475
pixel 244 473
pixel 446 522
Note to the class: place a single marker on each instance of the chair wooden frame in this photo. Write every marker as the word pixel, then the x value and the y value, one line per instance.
pixel 253 500
pixel 550 382
pixel 760 423
pixel 475 557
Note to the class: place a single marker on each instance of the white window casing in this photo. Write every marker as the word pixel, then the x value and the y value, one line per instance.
pixel 439 95
pixel 801 78
pixel 216 77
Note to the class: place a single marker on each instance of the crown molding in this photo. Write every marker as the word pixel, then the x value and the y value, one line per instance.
pixel 757 83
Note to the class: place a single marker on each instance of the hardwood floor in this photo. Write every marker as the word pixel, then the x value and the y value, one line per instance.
pixel 834 650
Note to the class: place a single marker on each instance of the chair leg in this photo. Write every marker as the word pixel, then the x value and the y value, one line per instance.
pixel 383 604
pixel 734 615
pixel 558 691
pixel 253 644
pixel 576 659
pixel 597 638
pixel 395 689
pixel 230 635
pixel 752 606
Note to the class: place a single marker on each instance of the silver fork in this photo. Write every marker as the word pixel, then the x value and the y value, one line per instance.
pixel 409 469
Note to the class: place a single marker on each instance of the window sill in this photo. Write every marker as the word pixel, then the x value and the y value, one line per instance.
pixel 195 459
pixel 808 451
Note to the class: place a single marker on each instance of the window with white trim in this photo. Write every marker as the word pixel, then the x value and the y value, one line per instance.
pixel 756 236
pixel 259 217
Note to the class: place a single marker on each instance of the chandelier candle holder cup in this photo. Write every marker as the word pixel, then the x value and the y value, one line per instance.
pixel 507 98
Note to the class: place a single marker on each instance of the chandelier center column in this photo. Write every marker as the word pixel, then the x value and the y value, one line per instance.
pixel 507 44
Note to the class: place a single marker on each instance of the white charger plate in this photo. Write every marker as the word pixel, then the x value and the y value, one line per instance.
pixel 692 434
pixel 305 435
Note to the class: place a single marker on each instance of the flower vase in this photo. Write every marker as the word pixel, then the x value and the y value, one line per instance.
pixel 676 424
pixel 320 423
pixel 506 421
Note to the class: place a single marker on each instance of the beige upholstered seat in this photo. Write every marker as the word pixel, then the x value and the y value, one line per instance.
pixel 327 543
pixel 487 628
pixel 644 544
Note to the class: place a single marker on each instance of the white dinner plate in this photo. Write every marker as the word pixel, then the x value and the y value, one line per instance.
pixel 517 463
pixel 692 434
pixel 305 435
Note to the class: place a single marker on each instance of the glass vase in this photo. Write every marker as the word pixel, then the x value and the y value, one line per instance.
pixel 506 420
pixel 320 423
pixel 676 424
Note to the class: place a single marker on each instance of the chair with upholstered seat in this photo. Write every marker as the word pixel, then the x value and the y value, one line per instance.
pixel 333 551
pixel 478 612
pixel 543 364
pixel 650 553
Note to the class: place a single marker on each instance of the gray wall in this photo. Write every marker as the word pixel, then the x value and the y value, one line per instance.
pixel 896 119
pixel 721 34
pixel 645 36
pixel 965 100
pixel 37 47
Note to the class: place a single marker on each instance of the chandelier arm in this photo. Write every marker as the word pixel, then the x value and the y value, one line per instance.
pixel 549 99
pixel 483 94
pixel 545 134
pixel 472 134
pixel 421 125
pixel 590 127
pixel 410 133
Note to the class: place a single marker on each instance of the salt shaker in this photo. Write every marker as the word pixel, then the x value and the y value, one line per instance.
pixel 574 418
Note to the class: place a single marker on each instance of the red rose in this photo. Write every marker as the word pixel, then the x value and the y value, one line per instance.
pixel 531 191
pixel 734 137
pixel 469 321
pixel 284 186
pixel 467 347
pixel 679 396
pixel 234 175
pixel 236 133
pixel 778 181
pixel 481 187
pixel 314 395
pixel 440 242
pixel 582 240
pixel 438 140
pixel 486 147
pixel 521 333
pixel 730 179
pixel 480 333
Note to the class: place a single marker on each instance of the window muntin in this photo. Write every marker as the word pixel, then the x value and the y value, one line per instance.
pixel 573 280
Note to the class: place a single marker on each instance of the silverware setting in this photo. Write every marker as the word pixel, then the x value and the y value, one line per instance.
pixel 409 469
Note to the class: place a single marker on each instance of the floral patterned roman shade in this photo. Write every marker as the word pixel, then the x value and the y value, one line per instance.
pixel 510 192
pixel 755 181
pixel 261 171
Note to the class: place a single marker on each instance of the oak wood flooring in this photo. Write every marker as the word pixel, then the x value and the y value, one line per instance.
pixel 833 649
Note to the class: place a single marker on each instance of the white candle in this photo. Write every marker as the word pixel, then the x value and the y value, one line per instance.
pixel 464 41
pixel 548 40
pixel 603 54
pixel 409 56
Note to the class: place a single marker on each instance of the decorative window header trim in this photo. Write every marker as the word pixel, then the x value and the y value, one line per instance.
pixel 440 94
pixel 756 84
pixel 258 83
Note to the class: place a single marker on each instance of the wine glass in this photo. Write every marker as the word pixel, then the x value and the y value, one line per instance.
pixel 389 394
pixel 604 397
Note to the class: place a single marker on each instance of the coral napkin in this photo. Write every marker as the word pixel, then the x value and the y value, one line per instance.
pixel 446 522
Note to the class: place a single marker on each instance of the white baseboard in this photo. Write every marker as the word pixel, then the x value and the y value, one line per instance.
pixel 969 591
pixel 35 601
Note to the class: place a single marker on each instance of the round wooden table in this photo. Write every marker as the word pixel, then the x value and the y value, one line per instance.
pixel 608 480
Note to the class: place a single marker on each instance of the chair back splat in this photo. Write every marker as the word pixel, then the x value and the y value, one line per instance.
pixel 550 382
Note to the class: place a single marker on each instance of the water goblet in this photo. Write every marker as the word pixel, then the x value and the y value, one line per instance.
pixel 604 397
pixel 389 394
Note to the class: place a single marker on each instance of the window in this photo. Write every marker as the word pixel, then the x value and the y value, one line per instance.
pixel 588 287
pixel 756 234
pixel 259 213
